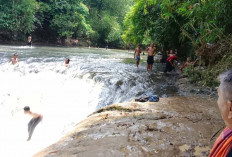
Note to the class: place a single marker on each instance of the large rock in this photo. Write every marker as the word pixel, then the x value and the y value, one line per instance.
pixel 177 126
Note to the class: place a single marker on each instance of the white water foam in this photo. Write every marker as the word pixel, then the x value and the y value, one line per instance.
pixel 51 90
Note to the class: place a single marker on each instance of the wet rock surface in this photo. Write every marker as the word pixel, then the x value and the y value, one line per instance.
pixel 186 88
pixel 175 126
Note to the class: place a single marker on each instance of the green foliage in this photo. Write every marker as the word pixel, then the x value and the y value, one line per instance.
pixel 98 21
pixel 47 18
pixel 63 18
pixel 194 75
pixel 145 24
pixel 172 23
pixel 208 75
pixel 17 17
pixel 68 17
pixel 190 26
pixel 106 18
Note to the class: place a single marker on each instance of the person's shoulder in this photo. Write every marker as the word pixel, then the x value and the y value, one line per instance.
pixel 41 116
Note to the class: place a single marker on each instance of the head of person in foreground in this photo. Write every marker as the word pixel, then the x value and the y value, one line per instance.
pixel 26 109
pixel 225 97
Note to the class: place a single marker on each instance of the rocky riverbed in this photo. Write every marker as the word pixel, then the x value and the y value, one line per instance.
pixel 174 126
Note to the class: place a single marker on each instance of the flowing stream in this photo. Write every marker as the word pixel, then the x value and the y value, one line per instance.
pixel 65 96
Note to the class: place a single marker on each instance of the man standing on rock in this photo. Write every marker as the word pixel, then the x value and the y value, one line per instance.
pixel 150 58
pixel 223 145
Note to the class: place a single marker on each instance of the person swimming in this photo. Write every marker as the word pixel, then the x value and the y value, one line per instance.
pixel 15 59
pixel 67 62
pixel 33 122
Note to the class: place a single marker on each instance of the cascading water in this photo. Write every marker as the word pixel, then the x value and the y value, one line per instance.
pixel 64 96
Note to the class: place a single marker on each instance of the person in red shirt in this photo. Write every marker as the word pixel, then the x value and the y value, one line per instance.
pixel 169 64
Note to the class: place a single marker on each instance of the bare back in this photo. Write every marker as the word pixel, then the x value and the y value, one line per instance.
pixel 36 115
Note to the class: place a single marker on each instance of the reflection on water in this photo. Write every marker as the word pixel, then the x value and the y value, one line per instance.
pixel 95 78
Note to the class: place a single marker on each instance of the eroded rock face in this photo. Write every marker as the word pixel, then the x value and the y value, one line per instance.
pixel 177 126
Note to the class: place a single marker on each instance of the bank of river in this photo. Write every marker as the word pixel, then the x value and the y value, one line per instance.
pixel 174 126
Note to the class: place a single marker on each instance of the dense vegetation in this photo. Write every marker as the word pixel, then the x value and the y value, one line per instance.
pixel 106 18
pixel 97 21
pixel 199 28
pixel 194 27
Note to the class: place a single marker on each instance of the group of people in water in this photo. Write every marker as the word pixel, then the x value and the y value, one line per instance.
pixel 167 58
pixel 36 118
pixel 15 60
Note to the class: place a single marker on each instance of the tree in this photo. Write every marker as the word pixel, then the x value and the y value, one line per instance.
pixel 61 19
pixel 106 18
pixel 17 18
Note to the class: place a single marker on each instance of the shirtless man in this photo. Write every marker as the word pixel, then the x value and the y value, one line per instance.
pixel 36 118
pixel 75 43
pixel 137 55
pixel 29 40
pixel 188 63
pixel 15 59
pixel 150 57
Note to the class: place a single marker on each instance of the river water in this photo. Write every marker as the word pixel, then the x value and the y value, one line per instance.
pixel 65 96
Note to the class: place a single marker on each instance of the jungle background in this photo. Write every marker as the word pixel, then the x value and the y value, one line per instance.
pixel 200 29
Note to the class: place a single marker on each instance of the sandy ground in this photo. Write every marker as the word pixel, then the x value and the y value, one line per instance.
pixel 175 126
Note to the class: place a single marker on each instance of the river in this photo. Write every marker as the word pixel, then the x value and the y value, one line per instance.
pixel 64 96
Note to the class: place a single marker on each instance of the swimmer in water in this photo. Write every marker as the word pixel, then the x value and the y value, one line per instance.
pixel 36 118
pixel 15 59
pixel 67 62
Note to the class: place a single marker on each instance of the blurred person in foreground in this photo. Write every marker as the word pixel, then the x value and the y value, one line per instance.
pixel 223 145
